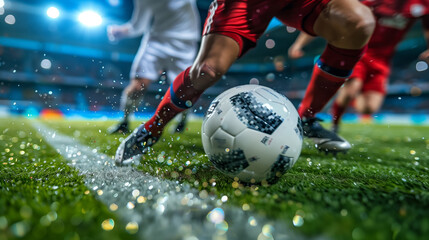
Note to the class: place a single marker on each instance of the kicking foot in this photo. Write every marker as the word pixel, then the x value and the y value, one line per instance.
pixel 134 145
pixel 121 127
pixel 324 140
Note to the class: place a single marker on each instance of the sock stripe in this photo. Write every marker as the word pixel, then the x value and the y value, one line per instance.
pixel 343 73
pixel 176 101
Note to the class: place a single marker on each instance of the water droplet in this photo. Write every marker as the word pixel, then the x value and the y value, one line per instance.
pixel 216 215
pixel 135 193
pixel 245 207
pixel 252 221
pixel 141 199
pixel 113 207
pixel 132 227
pixel 108 224
pixel 130 205
pixel 298 221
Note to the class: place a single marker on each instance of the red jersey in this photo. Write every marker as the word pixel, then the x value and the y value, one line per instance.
pixel 394 18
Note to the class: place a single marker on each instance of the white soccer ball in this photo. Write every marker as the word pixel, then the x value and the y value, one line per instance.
pixel 253 133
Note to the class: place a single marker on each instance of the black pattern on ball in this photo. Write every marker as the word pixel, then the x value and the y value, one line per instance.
pixel 299 126
pixel 232 162
pixel 282 164
pixel 254 114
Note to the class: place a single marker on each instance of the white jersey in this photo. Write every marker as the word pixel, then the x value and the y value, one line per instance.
pixel 177 19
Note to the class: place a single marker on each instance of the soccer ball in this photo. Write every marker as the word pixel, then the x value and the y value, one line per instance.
pixel 253 133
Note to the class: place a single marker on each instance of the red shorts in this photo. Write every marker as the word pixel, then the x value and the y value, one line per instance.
pixel 246 20
pixel 373 72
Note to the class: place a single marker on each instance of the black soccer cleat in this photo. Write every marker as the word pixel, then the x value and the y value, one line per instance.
pixel 121 127
pixel 335 128
pixel 180 127
pixel 133 146
pixel 324 140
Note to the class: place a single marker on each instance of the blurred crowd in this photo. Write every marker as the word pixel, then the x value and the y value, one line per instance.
pixel 67 82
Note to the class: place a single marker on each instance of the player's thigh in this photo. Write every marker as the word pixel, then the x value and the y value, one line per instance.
pixel 345 23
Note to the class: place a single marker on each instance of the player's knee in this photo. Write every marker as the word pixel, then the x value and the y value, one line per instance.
pixel 133 91
pixel 369 109
pixel 350 93
pixel 362 24
pixel 206 74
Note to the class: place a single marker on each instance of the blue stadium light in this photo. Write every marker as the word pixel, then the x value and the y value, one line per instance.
pixel 90 18
pixel 53 12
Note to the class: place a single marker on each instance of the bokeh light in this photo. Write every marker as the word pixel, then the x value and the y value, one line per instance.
pixel 421 66
pixel 254 81
pixel 53 12
pixel 46 64
pixel 290 29
pixel 10 19
pixel 270 43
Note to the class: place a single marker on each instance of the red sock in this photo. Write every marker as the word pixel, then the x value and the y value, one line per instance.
pixel 179 97
pixel 321 88
pixel 329 73
pixel 337 112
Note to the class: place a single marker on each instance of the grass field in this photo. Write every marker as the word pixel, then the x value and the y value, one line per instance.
pixel 379 190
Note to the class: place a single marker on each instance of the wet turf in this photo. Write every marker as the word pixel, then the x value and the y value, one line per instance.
pixel 41 197
pixel 379 190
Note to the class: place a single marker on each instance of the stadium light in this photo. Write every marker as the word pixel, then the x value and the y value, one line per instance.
pixel 1 3
pixel 53 12
pixel 90 18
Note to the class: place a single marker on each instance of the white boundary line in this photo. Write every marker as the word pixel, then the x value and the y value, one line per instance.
pixel 171 210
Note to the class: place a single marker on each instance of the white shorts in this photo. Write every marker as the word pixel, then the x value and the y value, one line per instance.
pixel 158 54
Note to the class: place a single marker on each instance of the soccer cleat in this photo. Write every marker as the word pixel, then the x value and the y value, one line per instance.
pixel 324 140
pixel 133 146
pixel 335 128
pixel 121 127
pixel 180 127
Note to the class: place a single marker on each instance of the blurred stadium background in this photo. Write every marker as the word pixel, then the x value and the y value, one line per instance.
pixel 55 62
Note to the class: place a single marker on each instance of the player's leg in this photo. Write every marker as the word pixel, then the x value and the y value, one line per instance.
pixel 345 96
pixel 369 102
pixel 216 55
pixel 186 52
pixel 374 89
pixel 131 99
pixel 347 26
pixel 144 70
